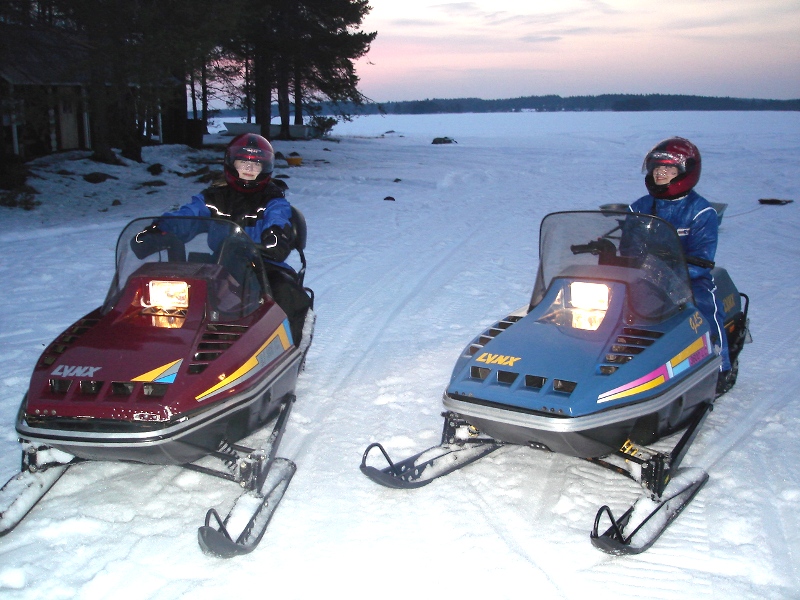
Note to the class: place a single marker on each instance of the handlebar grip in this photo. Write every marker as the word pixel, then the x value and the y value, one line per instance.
pixel 581 248
pixel 700 262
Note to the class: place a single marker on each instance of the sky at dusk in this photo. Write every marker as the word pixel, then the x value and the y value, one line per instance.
pixel 510 48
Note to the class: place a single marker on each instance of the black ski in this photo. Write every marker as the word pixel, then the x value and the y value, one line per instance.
pixel 668 491
pixel 642 524
pixel 217 538
pixel 21 493
pixel 422 468
pixel 266 478
pixel 452 454
pixel 42 466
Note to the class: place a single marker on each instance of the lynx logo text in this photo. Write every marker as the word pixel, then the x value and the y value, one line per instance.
pixel 67 371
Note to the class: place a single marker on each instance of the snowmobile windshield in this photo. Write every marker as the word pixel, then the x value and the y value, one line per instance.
pixel 166 247
pixel 641 251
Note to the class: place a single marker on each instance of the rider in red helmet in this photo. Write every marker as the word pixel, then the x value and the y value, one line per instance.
pixel 672 170
pixel 250 198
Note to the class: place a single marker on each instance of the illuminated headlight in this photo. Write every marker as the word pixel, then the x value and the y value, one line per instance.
pixel 589 303
pixel 168 295
pixel 168 303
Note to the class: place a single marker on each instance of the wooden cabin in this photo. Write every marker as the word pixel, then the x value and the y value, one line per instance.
pixel 42 92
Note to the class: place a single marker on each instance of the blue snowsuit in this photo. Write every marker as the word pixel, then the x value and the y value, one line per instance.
pixel 255 213
pixel 697 224
pixel 258 214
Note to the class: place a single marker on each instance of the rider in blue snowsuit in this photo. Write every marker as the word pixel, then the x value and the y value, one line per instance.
pixel 249 198
pixel 253 201
pixel 672 170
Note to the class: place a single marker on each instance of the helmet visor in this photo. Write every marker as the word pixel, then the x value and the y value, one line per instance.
pixel 255 155
pixel 662 158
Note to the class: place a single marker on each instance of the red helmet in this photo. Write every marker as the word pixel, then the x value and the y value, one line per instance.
pixel 252 147
pixel 673 152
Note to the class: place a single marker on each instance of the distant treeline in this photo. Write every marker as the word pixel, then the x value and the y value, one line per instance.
pixel 606 102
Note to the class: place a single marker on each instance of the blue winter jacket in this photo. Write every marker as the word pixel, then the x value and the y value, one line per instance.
pixel 276 211
pixel 696 221
pixel 255 213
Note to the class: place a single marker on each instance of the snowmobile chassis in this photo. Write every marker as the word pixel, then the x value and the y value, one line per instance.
pixel 639 353
pixel 262 475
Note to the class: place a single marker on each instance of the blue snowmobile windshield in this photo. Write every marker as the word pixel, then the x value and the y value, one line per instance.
pixel 642 251
pixel 167 247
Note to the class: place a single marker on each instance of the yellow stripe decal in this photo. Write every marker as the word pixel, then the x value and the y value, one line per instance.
pixel 689 356
pixel 248 369
pixel 156 373
pixel 697 345
pixel 635 390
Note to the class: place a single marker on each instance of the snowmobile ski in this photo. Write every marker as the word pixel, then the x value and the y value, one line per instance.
pixel 642 524
pixel 667 491
pixel 41 468
pixel 218 541
pixel 422 468
pixel 455 452
pixel 21 493
pixel 265 477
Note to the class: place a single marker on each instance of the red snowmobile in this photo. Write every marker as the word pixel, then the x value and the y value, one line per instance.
pixel 188 354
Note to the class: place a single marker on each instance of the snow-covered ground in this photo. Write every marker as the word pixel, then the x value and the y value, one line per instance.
pixel 401 287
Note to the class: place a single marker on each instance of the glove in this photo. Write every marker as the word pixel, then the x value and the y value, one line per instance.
pixel 148 241
pixel 277 243
pixel 149 230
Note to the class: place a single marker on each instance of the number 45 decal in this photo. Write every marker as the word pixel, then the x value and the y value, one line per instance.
pixel 695 321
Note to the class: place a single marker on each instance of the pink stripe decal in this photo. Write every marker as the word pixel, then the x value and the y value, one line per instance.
pixel 618 392
pixel 663 373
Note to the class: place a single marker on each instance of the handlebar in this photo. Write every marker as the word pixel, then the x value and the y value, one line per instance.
pixel 152 240
pixel 595 247
pixel 603 246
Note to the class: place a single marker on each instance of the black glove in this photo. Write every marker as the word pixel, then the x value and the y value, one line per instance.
pixel 151 229
pixel 277 243
pixel 148 241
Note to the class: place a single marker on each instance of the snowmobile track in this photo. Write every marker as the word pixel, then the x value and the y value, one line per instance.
pixel 370 331
pixel 366 334
pixel 745 417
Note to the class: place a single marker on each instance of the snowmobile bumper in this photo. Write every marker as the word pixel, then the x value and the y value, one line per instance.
pixel 185 439
pixel 589 436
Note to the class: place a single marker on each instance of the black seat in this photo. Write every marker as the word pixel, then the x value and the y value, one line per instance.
pixel 299 229
pixel 300 235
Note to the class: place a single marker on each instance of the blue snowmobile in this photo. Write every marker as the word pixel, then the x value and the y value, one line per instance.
pixel 610 356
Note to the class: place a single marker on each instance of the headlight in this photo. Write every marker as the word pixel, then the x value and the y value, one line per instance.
pixel 589 303
pixel 168 295
pixel 168 301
